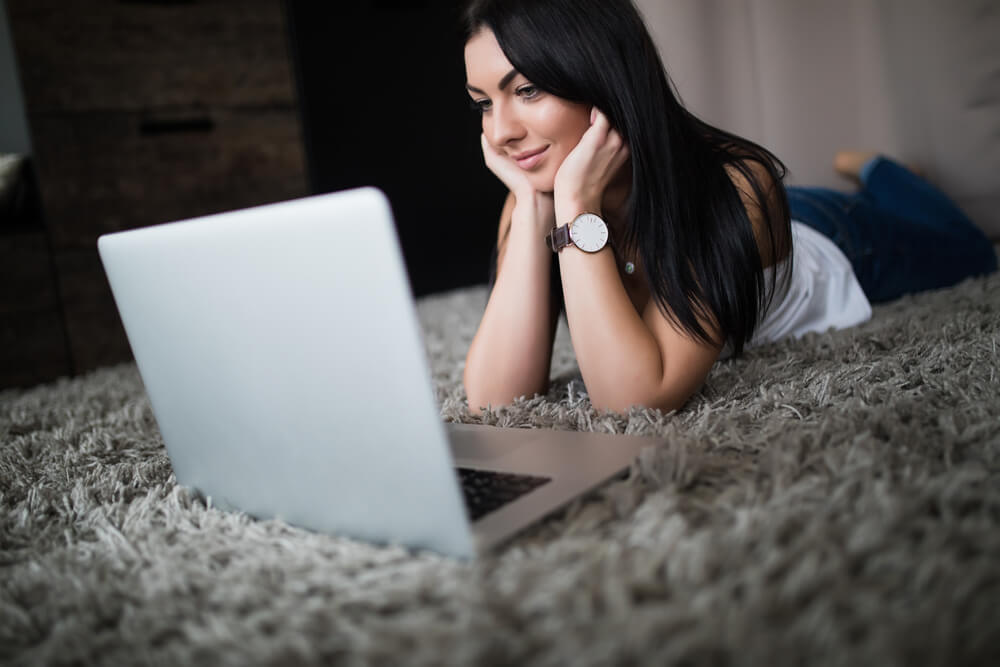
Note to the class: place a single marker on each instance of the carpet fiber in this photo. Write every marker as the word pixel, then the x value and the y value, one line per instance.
pixel 833 500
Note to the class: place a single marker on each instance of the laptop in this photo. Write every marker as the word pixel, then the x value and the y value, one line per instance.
pixel 284 362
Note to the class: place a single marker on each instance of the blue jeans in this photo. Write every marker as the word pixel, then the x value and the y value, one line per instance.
pixel 899 232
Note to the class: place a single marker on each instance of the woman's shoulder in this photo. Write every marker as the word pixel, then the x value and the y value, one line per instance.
pixel 763 196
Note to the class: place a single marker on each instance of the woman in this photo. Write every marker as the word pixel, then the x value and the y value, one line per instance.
pixel 667 241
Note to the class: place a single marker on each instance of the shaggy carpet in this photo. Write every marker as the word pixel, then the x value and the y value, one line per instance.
pixel 833 500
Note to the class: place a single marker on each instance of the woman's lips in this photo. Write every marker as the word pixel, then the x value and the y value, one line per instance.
pixel 529 159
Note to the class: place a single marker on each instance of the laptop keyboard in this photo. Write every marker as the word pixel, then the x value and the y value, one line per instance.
pixel 487 490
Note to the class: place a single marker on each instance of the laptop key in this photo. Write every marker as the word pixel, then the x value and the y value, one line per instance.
pixel 487 490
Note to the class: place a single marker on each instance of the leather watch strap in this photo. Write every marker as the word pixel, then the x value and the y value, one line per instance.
pixel 558 238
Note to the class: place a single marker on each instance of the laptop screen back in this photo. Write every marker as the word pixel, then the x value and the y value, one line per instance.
pixel 283 358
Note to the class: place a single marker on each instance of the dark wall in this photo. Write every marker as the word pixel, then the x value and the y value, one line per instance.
pixel 381 92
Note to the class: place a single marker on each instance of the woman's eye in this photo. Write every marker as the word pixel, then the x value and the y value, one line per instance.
pixel 481 106
pixel 527 91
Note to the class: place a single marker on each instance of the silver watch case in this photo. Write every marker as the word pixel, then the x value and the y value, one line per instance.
pixel 587 231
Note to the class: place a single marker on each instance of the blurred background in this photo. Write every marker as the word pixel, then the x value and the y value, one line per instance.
pixel 117 114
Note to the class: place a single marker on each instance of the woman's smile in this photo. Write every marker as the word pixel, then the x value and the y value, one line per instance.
pixel 529 159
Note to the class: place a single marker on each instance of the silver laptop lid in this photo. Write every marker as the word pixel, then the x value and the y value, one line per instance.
pixel 283 358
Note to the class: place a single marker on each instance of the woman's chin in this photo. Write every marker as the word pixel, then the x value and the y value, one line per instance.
pixel 543 183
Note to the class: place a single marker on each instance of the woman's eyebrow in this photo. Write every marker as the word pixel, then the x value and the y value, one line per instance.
pixel 507 78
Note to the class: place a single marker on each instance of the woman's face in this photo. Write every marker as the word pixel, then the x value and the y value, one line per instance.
pixel 534 129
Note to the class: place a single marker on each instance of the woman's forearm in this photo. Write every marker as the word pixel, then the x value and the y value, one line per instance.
pixel 626 357
pixel 619 358
pixel 511 353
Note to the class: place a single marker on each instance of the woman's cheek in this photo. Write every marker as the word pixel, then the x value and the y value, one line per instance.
pixel 543 181
pixel 562 121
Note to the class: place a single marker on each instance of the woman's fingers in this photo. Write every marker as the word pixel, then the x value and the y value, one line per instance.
pixel 488 151
pixel 603 141
pixel 617 144
pixel 602 135
pixel 502 168
pixel 591 165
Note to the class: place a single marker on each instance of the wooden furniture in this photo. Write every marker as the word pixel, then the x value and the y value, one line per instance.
pixel 141 113
pixel 33 342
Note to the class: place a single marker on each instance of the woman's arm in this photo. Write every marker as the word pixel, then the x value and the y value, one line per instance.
pixel 626 358
pixel 511 353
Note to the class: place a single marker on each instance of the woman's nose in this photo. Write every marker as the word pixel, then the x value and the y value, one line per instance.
pixel 506 127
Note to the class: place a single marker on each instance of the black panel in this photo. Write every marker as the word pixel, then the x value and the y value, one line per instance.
pixel 383 103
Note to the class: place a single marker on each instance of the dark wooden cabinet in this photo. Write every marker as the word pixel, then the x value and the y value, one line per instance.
pixel 141 113
pixel 32 336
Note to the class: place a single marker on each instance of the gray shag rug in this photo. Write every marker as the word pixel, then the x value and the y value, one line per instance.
pixel 833 500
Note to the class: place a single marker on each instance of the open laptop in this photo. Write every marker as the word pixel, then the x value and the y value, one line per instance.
pixel 283 358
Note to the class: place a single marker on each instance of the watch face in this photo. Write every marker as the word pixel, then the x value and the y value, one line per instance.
pixel 589 232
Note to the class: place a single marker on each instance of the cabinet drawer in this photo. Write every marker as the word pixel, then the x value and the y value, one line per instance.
pixel 105 172
pixel 85 56
pixel 96 335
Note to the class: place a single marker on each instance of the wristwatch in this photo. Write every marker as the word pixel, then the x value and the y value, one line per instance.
pixel 587 232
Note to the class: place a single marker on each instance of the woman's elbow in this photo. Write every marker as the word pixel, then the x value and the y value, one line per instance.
pixel 473 393
pixel 478 396
pixel 623 408
pixel 481 399
pixel 495 389
pixel 623 401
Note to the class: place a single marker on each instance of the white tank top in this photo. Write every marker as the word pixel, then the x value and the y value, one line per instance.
pixel 821 292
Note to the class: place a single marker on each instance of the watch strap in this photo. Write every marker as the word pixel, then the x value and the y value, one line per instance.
pixel 558 238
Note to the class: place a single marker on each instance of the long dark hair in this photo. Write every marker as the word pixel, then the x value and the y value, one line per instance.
pixel 685 219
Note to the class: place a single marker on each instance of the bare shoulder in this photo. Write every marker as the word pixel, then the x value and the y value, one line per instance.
pixel 762 197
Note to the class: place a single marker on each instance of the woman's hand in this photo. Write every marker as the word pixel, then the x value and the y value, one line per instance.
pixel 504 168
pixel 589 168
pixel 530 204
